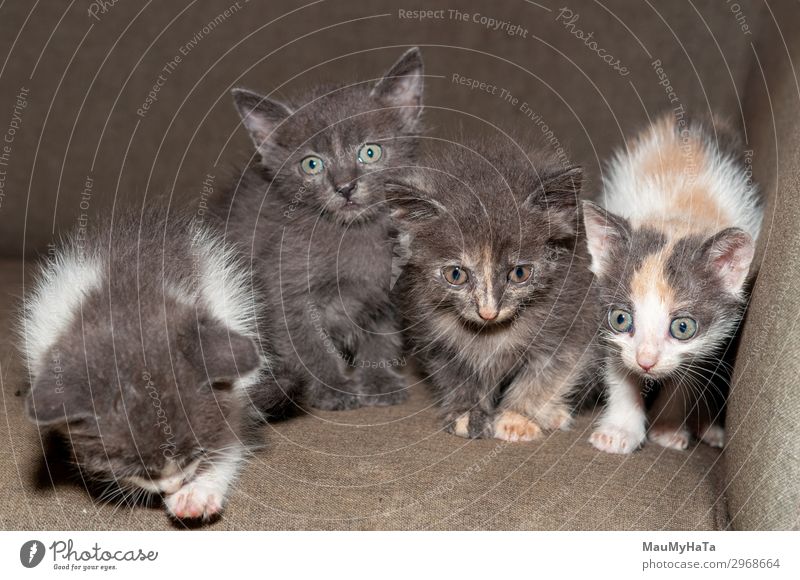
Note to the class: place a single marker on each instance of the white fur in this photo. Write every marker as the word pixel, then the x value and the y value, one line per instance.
pixel 622 427
pixel 643 199
pixel 63 282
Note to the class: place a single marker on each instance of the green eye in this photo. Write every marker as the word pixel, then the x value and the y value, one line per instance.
pixel 312 165
pixel 370 153
pixel 683 328
pixel 620 320
pixel 455 275
pixel 520 274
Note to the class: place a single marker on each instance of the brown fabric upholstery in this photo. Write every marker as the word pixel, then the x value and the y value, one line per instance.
pixel 762 459
pixel 83 79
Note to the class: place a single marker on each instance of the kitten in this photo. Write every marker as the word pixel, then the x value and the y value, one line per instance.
pixel 139 338
pixel 495 287
pixel 671 254
pixel 312 219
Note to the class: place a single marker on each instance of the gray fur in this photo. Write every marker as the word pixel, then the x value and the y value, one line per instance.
pixel 145 372
pixel 325 265
pixel 517 209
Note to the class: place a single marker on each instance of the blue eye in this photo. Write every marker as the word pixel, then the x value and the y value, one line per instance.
pixel 312 165
pixel 620 320
pixel 683 328
pixel 455 275
pixel 370 153
pixel 520 274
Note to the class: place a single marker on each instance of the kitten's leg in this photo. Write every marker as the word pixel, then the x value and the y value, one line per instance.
pixel 621 428
pixel 668 417
pixel 379 363
pixel 467 402
pixel 206 494
pixel 535 401
pixel 705 417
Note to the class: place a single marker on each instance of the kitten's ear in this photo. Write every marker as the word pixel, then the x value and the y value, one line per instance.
pixel 402 86
pixel 55 399
pixel 410 204
pixel 217 352
pixel 556 194
pixel 603 231
pixel 729 254
pixel 260 115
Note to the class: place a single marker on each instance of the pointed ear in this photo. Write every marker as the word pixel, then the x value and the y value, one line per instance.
pixel 409 203
pixel 729 255
pixel 603 231
pixel 217 352
pixel 260 115
pixel 55 399
pixel 402 87
pixel 556 194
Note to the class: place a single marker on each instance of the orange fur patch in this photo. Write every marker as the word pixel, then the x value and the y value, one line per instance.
pixel 651 277
pixel 511 426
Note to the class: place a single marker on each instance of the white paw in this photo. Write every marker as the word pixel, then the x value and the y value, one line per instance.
pixel 714 436
pixel 194 501
pixel 513 427
pixel 670 437
pixel 613 439
pixel 461 426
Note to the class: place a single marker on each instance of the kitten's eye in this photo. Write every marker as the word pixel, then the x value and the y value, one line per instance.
pixel 455 275
pixel 370 153
pixel 683 328
pixel 620 320
pixel 520 274
pixel 312 165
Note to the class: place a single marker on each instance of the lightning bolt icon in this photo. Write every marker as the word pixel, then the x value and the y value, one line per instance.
pixel 34 549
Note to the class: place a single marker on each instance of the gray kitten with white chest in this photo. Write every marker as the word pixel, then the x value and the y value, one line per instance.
pixel 311 217
pixel 496 287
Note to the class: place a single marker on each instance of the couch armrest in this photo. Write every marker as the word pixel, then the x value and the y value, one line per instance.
pixel 762 457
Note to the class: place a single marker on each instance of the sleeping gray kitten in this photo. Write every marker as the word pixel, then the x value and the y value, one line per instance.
pixel 497 290
pixel 310 216
pixel 140 344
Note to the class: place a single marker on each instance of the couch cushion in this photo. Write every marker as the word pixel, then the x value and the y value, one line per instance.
pixel 388 468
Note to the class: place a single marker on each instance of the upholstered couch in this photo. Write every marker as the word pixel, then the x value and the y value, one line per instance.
pixel 80 131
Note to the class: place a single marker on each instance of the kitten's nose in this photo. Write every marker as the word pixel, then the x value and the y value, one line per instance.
pixel 487 312
pixel 346 189
pixel 646 360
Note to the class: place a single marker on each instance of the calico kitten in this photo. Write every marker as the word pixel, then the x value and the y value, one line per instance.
pixel 139 339
pixel 311 217
pixel 671 254
pixel 495 287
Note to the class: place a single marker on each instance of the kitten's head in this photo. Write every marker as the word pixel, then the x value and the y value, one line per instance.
pixel 331 152
pixel 144 405
pixel 669 303
pixel 488 225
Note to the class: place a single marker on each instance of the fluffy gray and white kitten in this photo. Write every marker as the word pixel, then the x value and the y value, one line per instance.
pixel 496 286
pixel 671 254
pixel 140 342
pixel 311 217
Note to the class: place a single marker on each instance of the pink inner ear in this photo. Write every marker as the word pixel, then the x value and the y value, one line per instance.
pixel 731 259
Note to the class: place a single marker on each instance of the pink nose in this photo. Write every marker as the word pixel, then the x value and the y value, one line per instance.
pixel 646 361
pixel 487 313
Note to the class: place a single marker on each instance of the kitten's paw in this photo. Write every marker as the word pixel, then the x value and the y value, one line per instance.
pixel 513 427
pixel 669 437
pixel 714 436
pixel 330 400
pixel 460 426
pixel 616 439
pixel 194 501
pixel 555 418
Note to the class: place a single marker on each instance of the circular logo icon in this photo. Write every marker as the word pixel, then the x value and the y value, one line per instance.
pixel 31 553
